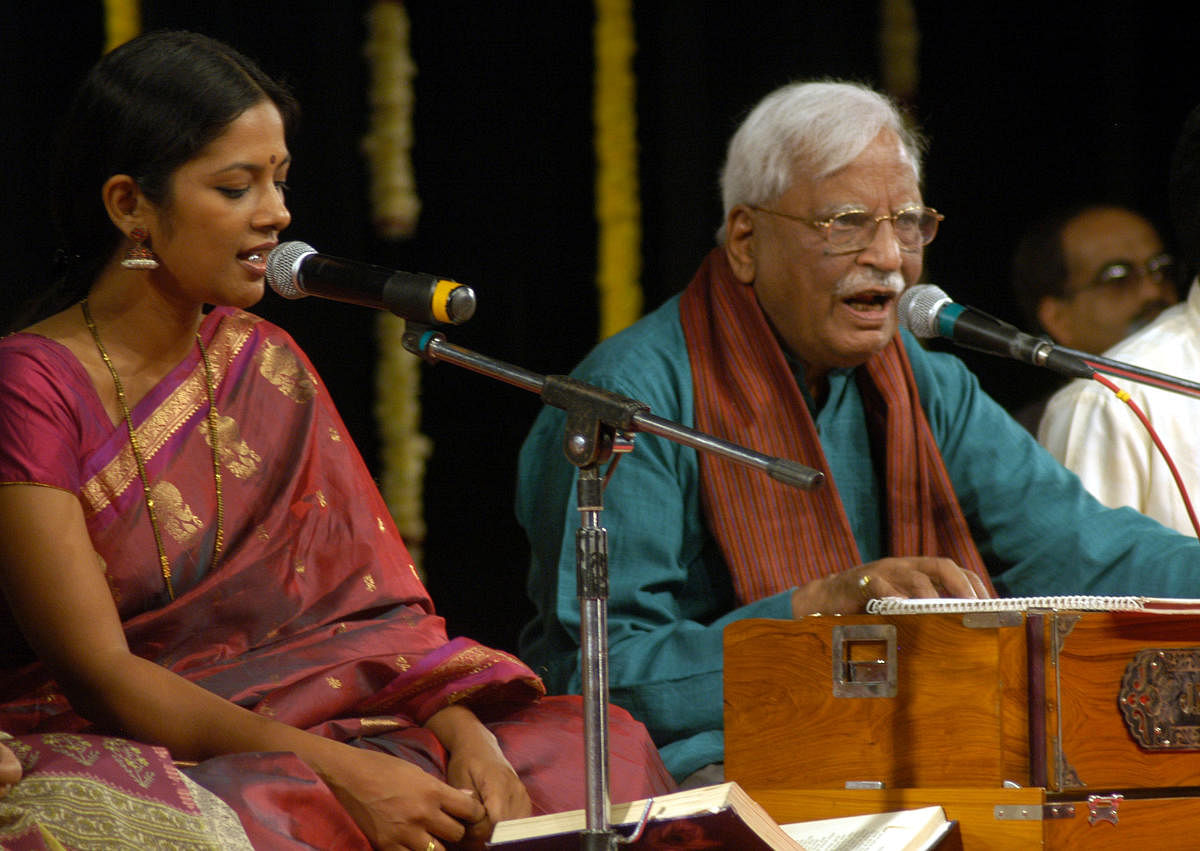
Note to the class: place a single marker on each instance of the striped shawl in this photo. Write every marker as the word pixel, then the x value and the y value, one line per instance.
pixel 775 537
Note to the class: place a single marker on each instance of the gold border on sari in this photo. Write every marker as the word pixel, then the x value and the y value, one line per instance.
pixel 180 406
pixel 468 662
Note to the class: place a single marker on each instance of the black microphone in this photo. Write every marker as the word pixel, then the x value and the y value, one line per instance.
pixel 927 311
pixel 295 270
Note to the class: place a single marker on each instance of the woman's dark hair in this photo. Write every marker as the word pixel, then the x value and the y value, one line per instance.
pixel 144 109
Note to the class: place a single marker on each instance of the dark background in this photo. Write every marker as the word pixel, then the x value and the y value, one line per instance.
pixel 1028 107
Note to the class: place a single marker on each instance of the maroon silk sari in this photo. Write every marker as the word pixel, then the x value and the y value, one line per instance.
pixel 313 613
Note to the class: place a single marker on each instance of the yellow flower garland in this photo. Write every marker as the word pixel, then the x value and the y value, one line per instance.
pixel 403 448
pixel 122 21
pixel 618 209
pixel 395 209
pixel 899 43
pixel 394 201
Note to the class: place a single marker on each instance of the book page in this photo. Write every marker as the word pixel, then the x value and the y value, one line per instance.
pixel 876 832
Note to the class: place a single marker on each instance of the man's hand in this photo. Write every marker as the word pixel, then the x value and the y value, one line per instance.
pixel 847 592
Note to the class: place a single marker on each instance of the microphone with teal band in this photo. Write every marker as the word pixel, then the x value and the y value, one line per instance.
pixel 928 312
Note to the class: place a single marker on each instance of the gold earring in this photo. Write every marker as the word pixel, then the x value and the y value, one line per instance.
pixel 139 256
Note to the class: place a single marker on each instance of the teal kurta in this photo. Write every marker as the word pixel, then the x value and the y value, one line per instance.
pixel 670 594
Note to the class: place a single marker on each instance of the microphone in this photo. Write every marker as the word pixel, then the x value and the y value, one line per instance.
pixel 927 311
pixel 295 270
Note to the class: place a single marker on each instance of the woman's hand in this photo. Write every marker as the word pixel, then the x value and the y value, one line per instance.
pixel 847 592
pixel 477 765
pixel 397 804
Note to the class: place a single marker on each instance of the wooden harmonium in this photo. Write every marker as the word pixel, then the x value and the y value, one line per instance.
pixel 1063 699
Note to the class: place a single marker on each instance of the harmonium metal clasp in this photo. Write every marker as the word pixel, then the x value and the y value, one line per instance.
pixel 1104 808
pixel 864 660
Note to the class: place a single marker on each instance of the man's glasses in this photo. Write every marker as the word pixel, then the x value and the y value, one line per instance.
pixel 1119 276
pixel 854 230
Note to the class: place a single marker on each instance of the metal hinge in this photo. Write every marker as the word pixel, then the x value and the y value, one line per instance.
pixel 1032 812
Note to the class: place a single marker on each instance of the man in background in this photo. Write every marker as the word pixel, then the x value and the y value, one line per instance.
pixel 1088 277
pixel 1097 435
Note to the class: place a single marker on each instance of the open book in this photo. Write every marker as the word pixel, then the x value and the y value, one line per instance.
pixel 723 816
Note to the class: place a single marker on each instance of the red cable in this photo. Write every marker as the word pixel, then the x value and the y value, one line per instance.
pixel 1125 397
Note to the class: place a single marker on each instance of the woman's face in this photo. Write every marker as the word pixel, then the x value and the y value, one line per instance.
pixel 224 213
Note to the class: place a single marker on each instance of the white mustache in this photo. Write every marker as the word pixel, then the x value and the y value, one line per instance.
pixel 860 280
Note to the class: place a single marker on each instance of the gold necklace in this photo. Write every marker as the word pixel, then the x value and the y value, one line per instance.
pixel 219 544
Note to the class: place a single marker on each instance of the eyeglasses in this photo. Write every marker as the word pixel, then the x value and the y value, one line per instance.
pixel 1118 276
pixel 854 230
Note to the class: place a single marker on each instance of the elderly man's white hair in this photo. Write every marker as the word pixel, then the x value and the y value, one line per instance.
pixel 810 130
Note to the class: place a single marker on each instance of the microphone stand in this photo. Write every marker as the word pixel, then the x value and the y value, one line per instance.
pixel 595 417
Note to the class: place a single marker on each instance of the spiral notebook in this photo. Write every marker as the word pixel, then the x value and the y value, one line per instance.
pixel 1072 603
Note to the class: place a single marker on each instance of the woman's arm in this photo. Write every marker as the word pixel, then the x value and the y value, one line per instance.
pixel 58 595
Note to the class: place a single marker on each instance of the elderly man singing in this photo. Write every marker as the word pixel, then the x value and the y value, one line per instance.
pixel 786 341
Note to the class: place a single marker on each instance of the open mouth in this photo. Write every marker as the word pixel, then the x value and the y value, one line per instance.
pixel 254 261
pixel 869 301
